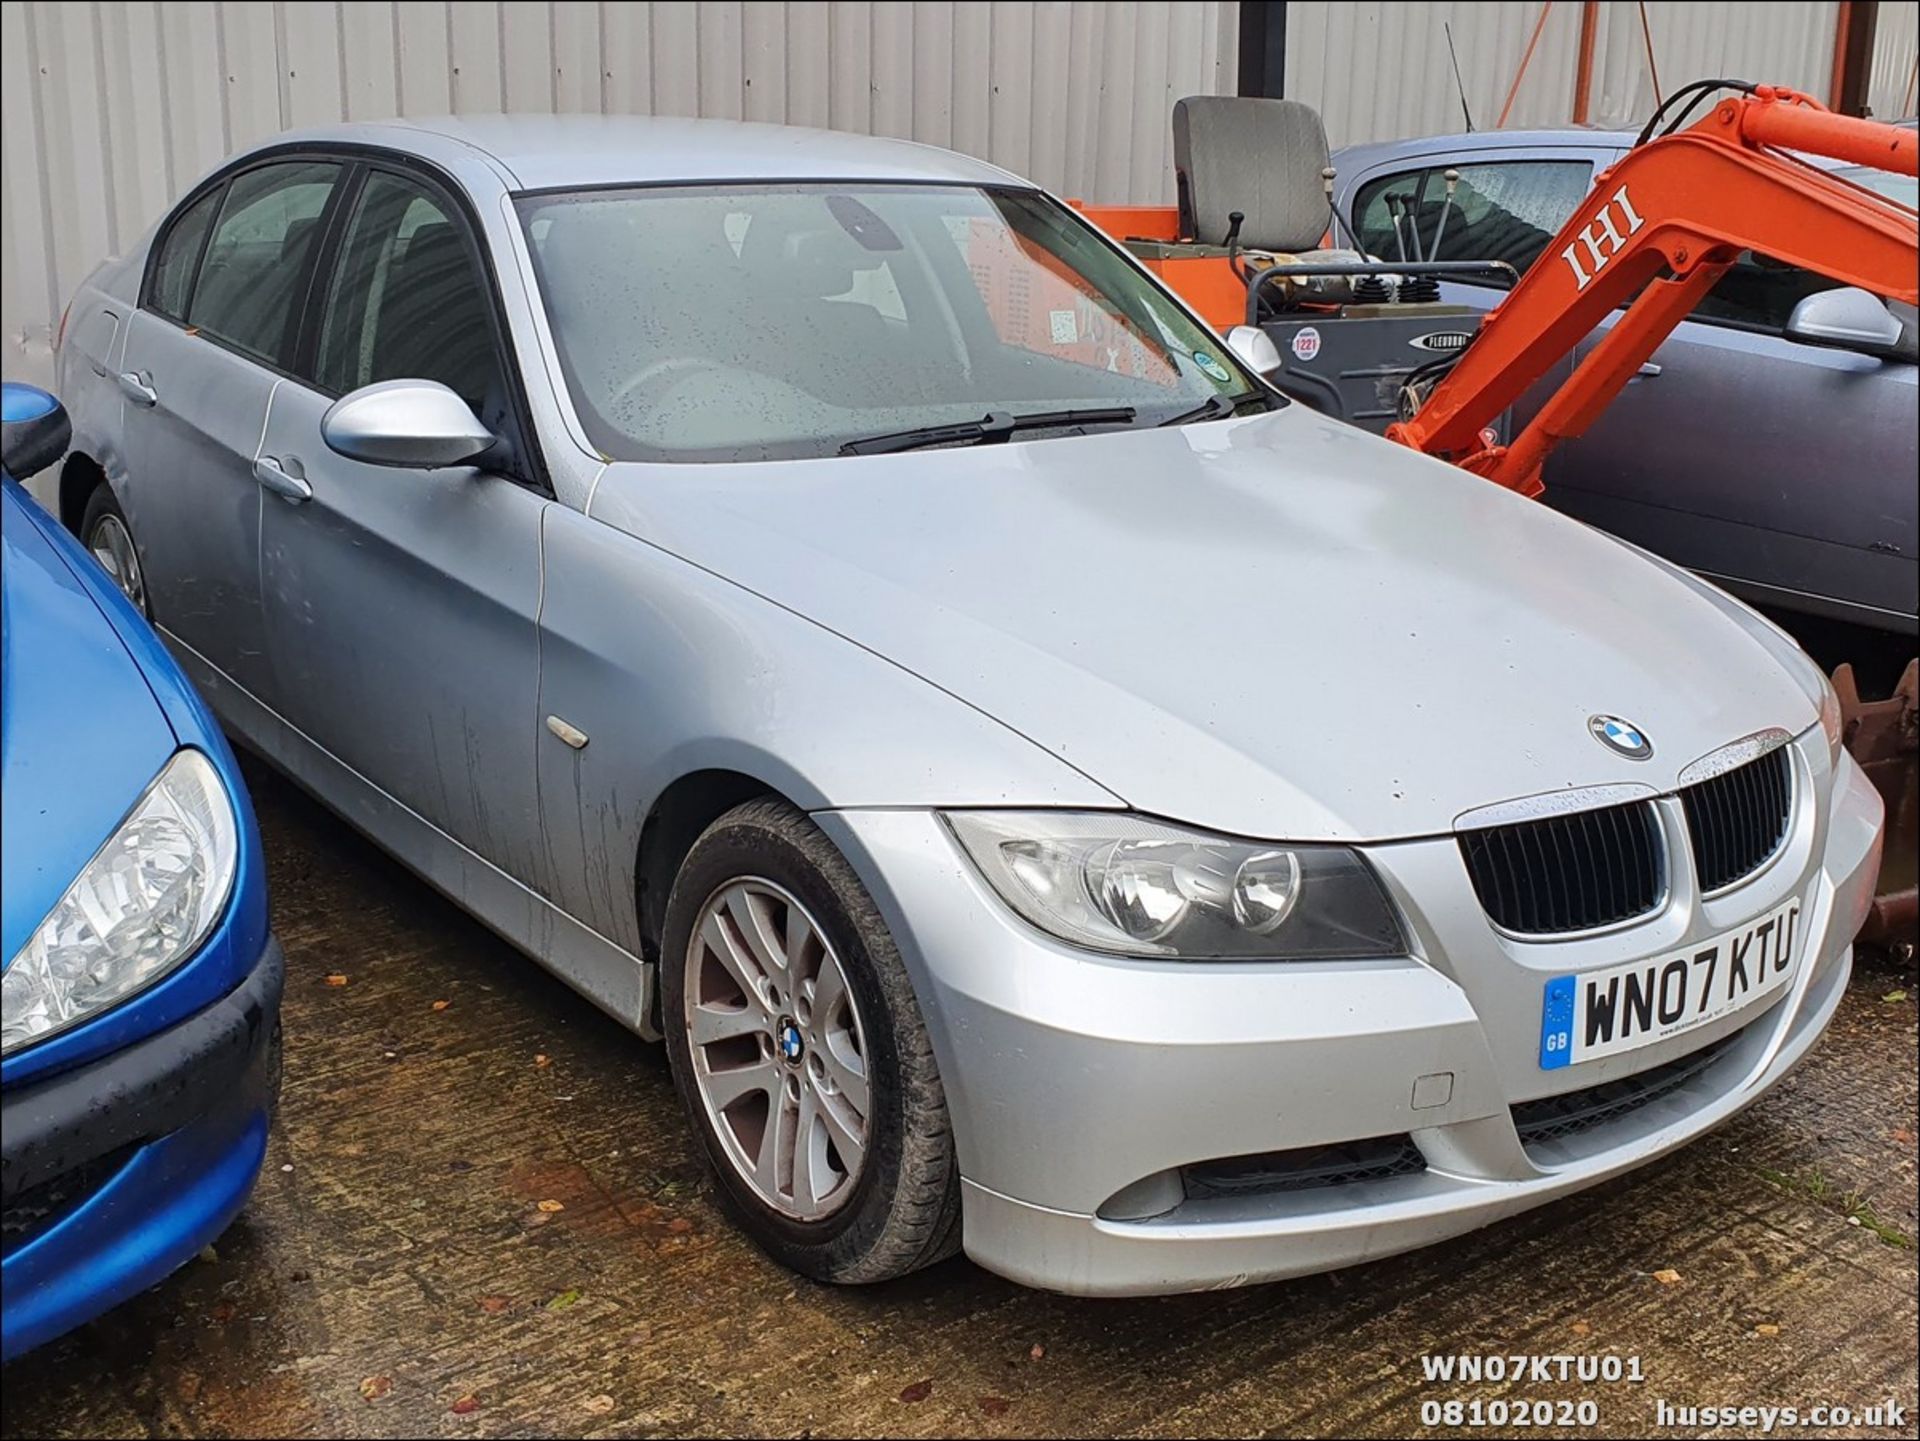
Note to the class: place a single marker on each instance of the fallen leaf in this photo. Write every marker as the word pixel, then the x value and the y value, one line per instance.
pixel 543 1061
pixel 207 1253
pixel 441 1005
pixel 495 1305
pixel 465 1406
pixel 995 1405
pixel 680 1225
pixel 1893 998
pixel 1904 1137
pixel 551 1206
pixel 918 1391
pixel 1038 1353
pixel 222 1312
pixel 1581 1328
pixel 1766 1328
pixel 374 1387
pixel 336 979
pixel 565 1299
pixel 1667 1277
pixel 597 1405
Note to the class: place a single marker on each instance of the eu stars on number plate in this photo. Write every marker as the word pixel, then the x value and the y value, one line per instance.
pixel 1621 1008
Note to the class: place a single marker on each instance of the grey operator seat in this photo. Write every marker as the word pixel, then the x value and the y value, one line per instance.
pixel 1261 157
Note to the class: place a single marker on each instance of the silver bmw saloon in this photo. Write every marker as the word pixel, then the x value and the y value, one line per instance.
pixel 1052 796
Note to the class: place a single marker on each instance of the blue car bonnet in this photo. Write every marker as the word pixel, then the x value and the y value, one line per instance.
pixel 81 732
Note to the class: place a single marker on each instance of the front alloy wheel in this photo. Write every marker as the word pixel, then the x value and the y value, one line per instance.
pixel 800 1054
pixel 778 1050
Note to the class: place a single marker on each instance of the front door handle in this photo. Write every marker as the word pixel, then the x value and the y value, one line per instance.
pixel 272 475
pixel 1649 370
pixel 135 385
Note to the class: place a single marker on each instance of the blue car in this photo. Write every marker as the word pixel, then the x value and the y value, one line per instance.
pixel 139 1035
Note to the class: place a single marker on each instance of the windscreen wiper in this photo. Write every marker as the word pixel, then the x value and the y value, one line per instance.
pixel 995 425
pixel 1214 407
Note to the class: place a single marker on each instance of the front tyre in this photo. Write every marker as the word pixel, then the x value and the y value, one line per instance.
pixel 801 1056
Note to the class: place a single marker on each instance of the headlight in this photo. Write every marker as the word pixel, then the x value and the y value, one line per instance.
pixel 1121 883
pixel 140 907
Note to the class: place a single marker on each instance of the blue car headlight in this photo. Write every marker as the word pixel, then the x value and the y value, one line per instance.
pixel 140 907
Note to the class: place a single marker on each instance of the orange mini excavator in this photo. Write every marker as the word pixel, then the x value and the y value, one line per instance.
pixel 1658 229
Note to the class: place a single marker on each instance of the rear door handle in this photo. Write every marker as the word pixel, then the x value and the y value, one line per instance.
pixel 135 386
pixel 289 487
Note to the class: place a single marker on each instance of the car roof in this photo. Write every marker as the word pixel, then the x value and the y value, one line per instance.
pixel 540 152
pixel 1564 137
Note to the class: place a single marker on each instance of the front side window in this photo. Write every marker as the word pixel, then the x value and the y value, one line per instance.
pixel 257 261
pixel 1503 210
pixel 179 257
pixel 702 323
pixel 409 301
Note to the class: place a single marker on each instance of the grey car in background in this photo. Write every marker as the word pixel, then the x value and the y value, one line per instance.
pixel 1052 795
pixel 1779 467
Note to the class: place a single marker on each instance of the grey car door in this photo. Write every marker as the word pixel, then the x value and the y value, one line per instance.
pixel 401 604
pixel 203 353
pixel 1781 469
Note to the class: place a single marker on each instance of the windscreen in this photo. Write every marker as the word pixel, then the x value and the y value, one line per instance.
pixel 783 322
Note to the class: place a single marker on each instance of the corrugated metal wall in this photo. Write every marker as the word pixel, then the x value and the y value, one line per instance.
pixel 1381 71
pixel 1896 61
pixel 111 109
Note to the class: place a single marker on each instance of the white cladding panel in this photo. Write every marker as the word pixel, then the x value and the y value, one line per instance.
pixel 112 109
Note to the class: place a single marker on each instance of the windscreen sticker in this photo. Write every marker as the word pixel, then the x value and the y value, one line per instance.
pixel 1066 327
pixel 1211 366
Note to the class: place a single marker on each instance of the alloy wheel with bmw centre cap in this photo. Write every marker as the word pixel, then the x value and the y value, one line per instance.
pixel 1015 685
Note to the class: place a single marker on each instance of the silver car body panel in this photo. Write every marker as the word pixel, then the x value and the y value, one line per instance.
pixel 1276 627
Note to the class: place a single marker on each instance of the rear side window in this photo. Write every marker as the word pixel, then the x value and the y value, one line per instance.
pixel 1503 210
pixel 258 259
pixel 179 257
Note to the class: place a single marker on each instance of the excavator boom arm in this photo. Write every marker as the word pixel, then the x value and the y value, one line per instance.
pixel 1661 226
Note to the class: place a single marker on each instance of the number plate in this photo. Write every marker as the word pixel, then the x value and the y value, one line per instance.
pixel 1621 1008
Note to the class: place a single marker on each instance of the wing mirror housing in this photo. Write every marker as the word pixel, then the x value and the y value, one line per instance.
pixel 34 429
pixel 1254 348
pixel 1848 318
pixel 416 424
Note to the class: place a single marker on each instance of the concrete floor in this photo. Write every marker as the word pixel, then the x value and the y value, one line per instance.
pixel 395 1273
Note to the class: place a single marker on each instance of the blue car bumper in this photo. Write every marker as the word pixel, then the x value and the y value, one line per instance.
pixel 116 1173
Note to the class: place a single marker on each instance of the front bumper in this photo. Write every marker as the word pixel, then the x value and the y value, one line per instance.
pixel 117 1172
pixel 1086 1090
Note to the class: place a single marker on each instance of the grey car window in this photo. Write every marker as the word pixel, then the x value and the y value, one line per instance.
pixel 408 300
pixel 179 256
pixel 257 261
pixel 700 323
pixel 1502 210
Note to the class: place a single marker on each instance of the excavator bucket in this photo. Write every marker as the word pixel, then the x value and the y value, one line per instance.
pixel 1884 737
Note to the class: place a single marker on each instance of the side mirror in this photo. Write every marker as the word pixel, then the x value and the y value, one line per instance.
pixel 1846 318
pixel 1254 348
pixel 34 429
pixel 419 424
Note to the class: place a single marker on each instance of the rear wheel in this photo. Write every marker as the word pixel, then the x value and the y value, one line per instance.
pixel 109 539
pixel 801 1056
